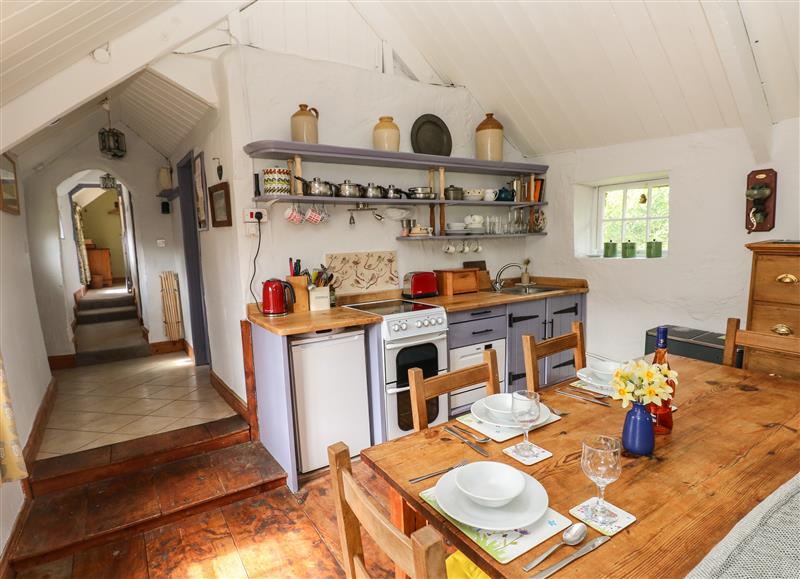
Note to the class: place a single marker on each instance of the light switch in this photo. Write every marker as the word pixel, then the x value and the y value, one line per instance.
pixel 161 242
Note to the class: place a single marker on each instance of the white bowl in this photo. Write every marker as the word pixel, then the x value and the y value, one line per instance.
pixel 499 405
pixel 490 484
pixel 603 369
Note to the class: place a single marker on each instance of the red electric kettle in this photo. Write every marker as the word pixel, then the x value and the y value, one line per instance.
pixel 276 298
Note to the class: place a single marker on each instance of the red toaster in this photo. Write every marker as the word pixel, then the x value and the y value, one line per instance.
pixel 419 284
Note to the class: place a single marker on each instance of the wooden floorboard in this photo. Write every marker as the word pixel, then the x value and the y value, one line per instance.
pixel 271 534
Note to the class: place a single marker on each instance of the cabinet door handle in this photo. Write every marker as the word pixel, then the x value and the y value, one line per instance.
pixel 787 278
pixel 480 313
pixel 479 332
pixel 782 330
pixel 552 323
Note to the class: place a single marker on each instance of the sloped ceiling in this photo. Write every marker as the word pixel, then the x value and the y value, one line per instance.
pixel 568 75
pixel 157 109
pixel 39 38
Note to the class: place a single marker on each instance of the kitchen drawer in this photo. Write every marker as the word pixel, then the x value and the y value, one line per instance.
pixel 777 279
pixel 477 314
pixel 783 365
pixel 467 333
pixel 776 319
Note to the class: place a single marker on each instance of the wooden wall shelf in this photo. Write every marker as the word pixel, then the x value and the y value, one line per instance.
pixel 316 153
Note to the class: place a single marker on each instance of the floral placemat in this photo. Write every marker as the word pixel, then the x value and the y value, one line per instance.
pixel 583 512
pixel 499 433
pixel 505 546
pixel 591 387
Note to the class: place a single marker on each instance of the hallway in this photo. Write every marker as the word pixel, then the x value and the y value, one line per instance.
pixel 108 403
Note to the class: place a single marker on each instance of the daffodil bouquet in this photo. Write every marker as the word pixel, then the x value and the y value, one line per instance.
pixel 641 382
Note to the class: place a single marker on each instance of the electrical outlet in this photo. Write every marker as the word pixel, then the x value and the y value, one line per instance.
pixel 250 214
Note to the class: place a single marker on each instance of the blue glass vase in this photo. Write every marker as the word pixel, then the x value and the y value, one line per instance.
pixel 637 434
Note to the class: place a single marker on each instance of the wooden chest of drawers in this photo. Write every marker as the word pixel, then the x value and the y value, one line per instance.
pixel 774 304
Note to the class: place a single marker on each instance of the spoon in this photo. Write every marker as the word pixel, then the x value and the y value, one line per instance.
pixel 472 434
pixel 573 535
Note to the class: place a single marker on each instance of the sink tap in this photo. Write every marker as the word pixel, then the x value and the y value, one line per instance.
pixel 497 284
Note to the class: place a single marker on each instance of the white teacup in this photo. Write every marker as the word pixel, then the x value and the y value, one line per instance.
pixel 449 248
pixel 474 219
pixel 489 194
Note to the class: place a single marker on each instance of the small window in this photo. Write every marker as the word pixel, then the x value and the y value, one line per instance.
pixel 637 212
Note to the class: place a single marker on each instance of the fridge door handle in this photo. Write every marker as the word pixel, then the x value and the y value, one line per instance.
pixel 415 343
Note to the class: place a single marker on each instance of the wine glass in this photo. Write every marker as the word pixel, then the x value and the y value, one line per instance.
pixel 525 412
pixel 601 463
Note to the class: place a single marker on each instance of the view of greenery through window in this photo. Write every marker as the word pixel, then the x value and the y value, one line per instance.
pixel 638 212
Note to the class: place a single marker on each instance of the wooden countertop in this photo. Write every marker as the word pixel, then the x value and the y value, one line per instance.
pixel 311 321
pixel 341 317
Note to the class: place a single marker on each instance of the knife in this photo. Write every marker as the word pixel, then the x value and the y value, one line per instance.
pixel 593 400
pixel 588 548
pixel 473 446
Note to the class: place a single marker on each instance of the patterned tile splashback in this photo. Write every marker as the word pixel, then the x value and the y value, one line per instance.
pixel 363 271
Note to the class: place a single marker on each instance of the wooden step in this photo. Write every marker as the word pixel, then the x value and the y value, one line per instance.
pixel 131 456
pixel 100 315
pixel 81 517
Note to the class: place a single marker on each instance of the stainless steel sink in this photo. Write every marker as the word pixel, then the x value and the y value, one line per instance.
pixel 526 290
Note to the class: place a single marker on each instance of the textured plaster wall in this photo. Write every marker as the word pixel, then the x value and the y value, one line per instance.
pixel 705 278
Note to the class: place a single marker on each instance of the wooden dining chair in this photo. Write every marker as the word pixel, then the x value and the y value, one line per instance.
pixel 785 345
pixel 534 351
pixel 423 389
pixel 421 556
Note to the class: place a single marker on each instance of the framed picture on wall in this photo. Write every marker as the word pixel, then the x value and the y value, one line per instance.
pixel 220 198
pixel 200 197
pixel 9 192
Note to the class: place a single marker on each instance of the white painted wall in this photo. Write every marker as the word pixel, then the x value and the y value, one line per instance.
pixel 137 170
pixel 21 343
pixel 705 278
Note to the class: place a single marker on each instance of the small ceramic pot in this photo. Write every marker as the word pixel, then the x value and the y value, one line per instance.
pixel 489 139
pixel 277 181
pixel 304 124
pixel 638 436
pixel 386 135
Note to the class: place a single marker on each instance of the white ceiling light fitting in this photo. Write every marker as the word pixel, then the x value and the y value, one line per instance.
pixel 102 54
pixel 111 141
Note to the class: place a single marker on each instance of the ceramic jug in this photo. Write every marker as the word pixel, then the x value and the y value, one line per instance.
pixel 304 124
pixel 489 139
pixel 386 135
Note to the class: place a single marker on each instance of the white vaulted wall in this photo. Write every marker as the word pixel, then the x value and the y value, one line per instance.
pixel 705 277
pixel 21 344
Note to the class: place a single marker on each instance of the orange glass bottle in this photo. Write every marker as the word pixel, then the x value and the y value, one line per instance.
pixel 662 412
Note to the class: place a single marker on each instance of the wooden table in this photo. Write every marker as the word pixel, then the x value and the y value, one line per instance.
pixel 735 441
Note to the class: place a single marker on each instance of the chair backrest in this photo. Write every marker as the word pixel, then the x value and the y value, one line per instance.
pixel 535 351
pixel 423 389
pixel 787 345
pixel 420 556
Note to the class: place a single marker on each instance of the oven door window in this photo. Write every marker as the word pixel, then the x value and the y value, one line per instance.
pixel 425 357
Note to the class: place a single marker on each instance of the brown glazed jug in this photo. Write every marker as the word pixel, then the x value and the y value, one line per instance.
pixel 489 139
pixel 304 124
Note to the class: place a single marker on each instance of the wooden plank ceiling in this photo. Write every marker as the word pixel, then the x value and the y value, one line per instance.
pixel 39 38
pixel 572 75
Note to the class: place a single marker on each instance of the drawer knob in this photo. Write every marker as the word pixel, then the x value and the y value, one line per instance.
pixel 786 278
pixel 782 330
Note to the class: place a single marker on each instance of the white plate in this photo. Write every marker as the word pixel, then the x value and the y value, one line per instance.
pixel 482 413
pixel 587 375
pixel 524 510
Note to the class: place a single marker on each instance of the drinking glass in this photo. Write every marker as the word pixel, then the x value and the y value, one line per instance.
pixel 525 412
pixel 600 461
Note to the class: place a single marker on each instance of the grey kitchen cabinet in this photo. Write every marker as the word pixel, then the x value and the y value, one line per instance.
pixel 523 318
pixel 561 312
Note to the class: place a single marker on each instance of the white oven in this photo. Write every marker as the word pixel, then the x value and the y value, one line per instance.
pixel 427 352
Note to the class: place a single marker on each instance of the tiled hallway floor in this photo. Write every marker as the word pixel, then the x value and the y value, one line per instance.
pixel 108 403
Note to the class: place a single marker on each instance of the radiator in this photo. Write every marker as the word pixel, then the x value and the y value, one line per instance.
pixel 171 304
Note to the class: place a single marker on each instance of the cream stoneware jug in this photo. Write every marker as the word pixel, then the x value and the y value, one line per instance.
pixel 386 135
pixel 489 139
pixel 304 124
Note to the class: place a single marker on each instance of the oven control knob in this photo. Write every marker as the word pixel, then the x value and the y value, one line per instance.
pixel 403 326
pixel 439 320
pixel 426 323
pixel 418 324
pixel 396 328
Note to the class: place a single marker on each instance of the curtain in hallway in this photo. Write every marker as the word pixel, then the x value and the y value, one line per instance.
pixel 12 463
pixel 83 257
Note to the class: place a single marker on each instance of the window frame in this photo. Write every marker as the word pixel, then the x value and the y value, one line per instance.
pixel 599 207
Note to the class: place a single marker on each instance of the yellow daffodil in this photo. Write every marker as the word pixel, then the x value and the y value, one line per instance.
pixel 622 390
pixel 643 383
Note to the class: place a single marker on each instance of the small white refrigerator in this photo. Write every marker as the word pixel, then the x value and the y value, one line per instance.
pixel 331 398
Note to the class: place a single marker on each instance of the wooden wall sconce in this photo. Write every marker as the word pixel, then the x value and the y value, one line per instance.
pixel 761 193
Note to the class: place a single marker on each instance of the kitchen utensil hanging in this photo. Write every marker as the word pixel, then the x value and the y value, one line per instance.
pixel 364 207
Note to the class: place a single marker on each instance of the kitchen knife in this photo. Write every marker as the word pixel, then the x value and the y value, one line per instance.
pixel 473 446
pixel 588 548
pixel 592 400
